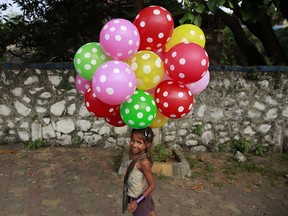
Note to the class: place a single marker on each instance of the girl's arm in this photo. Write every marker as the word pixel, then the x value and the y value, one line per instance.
pixel 146 169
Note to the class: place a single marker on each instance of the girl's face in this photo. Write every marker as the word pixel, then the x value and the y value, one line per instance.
pixel 137 144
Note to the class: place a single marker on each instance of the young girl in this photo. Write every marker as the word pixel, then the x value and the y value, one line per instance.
pixel 140 182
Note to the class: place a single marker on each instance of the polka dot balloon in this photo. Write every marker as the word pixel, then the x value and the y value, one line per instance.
pixel 199 86
pixel 155 25
pixel 174 100
pixel 88 58
pixel 186 33
pixel 139 111
pixel 119 39
pixel 96 107
pixel 148 68
pixel 114 82
pixel 186 62
pixel 115 119
pixel 159 120
pixel 82 85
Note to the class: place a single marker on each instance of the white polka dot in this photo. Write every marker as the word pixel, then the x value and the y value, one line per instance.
pixel 149 40
pixel 98 89
pixel 190 106
pixel 93 62
pixel 156 12
pixel 151 117
pixel 123 28
pixel 183 114
pixel 180 94
pixel 103 57
pixel 165 94
pixel 169 18
pixel 141 124
pixel 180 109
pixel 203 62
pixel 192 32
pixel 116 70
pixel 146 56
pixel 130 84
pixel 134 66
pixel 181 75
pixel 172 116
pixel 117 21
pixel 140 115
pixel 127 111
pixel 147 69
pixel 174 54
pixel 107 37
pixel 158 90
pixel 165 104
pixel 131 122
pixel 156 79
pixel 159 45
pixel 87 104
pixel 87 67
pixel 78 61
pixel 118 38
pixel 87 86
pixel 87 55
pixel 157 100
pixel 172 67
pixel 103 78
pixel 94 50
pixel 148 109
pixel 160 35
pixel 182 61
pixel 79 81
pixel 79 51
pixel 202 37
pixel 111 110
pixel 119 54
pixel 142 98
pixel 142 24
pixel 130 42
pixel 136 106
pixel 106 26
pixel 112 29
pixel 129 100
pixel 110 91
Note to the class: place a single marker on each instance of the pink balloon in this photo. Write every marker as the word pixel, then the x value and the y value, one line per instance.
pixel 82 85
pixel 200 85
pixel 186 62
pixel 114 82
pixel 119 39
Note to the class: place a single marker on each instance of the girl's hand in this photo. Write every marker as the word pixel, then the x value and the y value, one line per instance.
pixel 132 206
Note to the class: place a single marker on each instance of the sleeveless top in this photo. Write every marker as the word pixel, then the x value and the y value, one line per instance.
pixel 136 183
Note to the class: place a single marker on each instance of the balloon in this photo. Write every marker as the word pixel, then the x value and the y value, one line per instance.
pixel 114 82
pixel 148 68
pixel 96 106
pixel 186 62
pixel 200 85
pixel 120 39
pixel 139 111
pixel 82 85
pixel 173 99
pixel 88 58
pixel 159 120
pixel 155 25
pixel 115 119
pixel 165 77
pixel 186 33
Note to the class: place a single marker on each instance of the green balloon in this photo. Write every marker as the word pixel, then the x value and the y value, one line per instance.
pixel 88 58
pixel 139 111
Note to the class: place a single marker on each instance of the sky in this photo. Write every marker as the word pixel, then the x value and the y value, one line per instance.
pixel 11 10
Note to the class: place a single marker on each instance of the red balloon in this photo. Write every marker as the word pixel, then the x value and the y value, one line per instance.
pixel 96 106
pixel 155 25
pixel 173 99
pixel 186 62
pixel 115 119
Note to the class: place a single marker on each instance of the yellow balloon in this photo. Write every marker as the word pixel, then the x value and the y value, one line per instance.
pixel 159 120
pixel 148 68
pixel 186 33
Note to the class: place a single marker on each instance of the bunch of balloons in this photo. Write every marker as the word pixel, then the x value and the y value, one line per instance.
pixel 143 73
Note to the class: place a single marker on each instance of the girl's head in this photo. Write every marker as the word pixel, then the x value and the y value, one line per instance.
pixel 141 141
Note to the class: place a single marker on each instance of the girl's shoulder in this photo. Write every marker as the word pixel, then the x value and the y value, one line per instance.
pixel 145 162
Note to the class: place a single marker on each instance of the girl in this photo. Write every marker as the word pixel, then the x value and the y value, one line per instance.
pixel 140 181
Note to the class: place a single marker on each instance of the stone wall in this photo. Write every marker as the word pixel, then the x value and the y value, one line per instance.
pixel 38 104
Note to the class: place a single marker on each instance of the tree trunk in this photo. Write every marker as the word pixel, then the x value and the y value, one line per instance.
pixel 247 47
pixel 283 7
pixel 262 29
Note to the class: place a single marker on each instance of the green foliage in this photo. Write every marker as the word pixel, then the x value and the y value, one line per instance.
pixel 161 153
pixel 241 145
pixel 64 83
pixel 35 144
pixel 35 117
pixel 197 130
pixel 161 176
pixel 260 149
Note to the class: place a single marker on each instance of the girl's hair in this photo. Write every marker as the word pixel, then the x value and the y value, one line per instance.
pixel 148 137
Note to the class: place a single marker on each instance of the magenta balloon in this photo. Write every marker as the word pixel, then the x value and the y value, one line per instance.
pixel 114 82
pixel 119 39
pixel 82 85
pixel 200 85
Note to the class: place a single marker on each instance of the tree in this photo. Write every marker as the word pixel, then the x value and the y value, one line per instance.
pixel 256 16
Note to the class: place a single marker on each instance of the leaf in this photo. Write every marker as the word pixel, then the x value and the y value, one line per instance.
pixel 200 8
pixel 198 20
pixel 187 16
pixel 212 5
